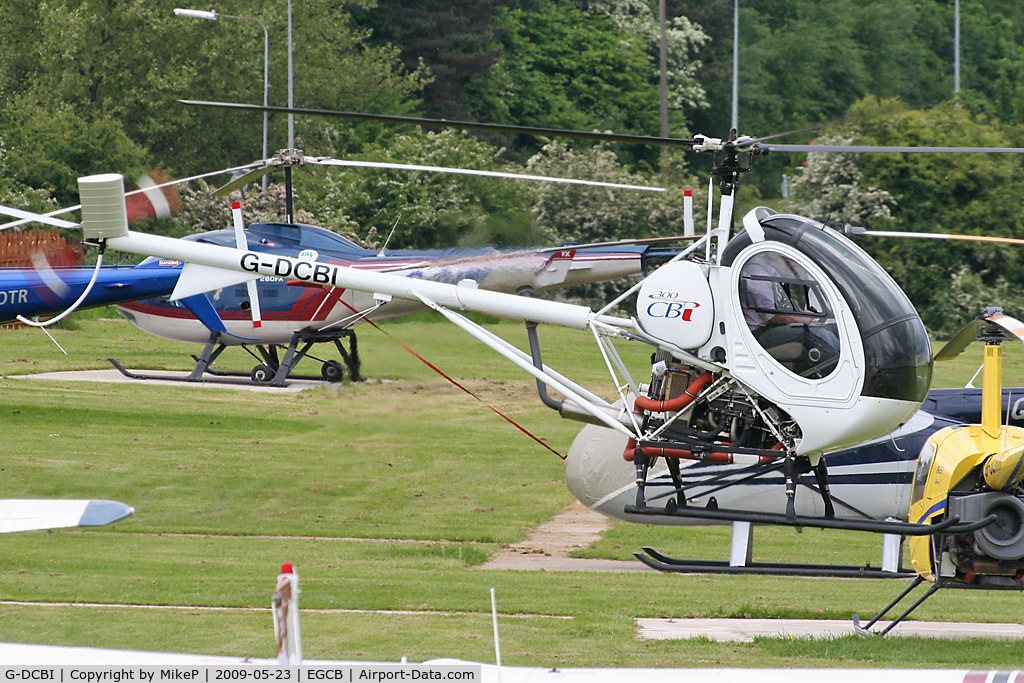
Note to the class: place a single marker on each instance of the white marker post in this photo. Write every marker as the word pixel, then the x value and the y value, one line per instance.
pixel 688 229
pixel 497 641
pixel 285 607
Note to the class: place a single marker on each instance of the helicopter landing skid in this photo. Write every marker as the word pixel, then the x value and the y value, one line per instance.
pixel 950 525
pixel 664 563
pixel 273 370
pixel 276 372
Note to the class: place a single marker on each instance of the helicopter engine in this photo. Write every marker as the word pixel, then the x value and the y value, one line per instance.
pixel 959 474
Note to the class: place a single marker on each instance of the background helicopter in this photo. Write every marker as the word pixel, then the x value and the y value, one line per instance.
pixel 291 317
pixel 294 318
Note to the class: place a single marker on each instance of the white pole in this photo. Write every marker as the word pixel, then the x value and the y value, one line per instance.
pixel 688 213
pixel 735 64
pixel 663 69
pixel 291 83
pixel 497 642
pixel 266 101
pixel 956 46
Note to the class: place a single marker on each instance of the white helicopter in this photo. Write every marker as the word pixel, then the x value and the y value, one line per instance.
pixel 771 348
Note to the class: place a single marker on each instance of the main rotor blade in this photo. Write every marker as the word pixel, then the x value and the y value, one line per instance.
pixel 467 125
pixel 941 236
pixel 491 174
pixel 621 243
pixel 960 341
pixel 862 149
pixel 242 181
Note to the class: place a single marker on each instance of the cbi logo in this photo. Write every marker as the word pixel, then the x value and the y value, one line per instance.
pixel 667 305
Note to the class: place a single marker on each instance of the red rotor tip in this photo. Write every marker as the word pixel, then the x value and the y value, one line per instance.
pixel 286 568
pixel 236 205
pixel 687 193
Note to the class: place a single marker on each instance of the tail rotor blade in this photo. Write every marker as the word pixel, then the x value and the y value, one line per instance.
pixel 242 243
pixel 29 217
pixel 971 332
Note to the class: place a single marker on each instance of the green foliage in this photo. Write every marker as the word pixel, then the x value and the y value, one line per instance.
pixel 683 39
pixel 596 214
pixel 13 192
pixel 203 212
pixel 456 40
pixel 584 214
pixel 829 188
pixel 564 67
pixel 131 61
pixel 430 209
pixel 961 193
pixel 48 146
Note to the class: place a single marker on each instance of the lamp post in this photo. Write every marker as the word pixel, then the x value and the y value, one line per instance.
pixel 214 16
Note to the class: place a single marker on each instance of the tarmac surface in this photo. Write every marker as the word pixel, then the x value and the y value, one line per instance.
pixel 168 378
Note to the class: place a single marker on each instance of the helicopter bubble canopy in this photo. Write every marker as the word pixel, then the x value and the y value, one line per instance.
pixel 809 321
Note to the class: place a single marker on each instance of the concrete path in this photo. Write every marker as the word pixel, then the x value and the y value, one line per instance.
pixel 745 630
pixel 548 547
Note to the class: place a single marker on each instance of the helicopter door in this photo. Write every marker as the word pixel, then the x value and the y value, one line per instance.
pixel 794 342
pixel 786 311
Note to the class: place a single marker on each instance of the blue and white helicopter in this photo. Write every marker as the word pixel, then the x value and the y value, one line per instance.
pixel 280 317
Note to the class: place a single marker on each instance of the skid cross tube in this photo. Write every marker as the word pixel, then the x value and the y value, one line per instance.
pixel 866 629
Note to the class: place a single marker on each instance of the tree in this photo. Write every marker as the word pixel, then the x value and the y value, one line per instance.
pixel 429 209
pixel 957 193
pixel 583 214
pixel 456 40
pixel 829 186
pixel 49 147
pixel 131 61
pixel 683 40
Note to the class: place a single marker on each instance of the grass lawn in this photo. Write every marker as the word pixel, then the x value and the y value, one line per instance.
pixel 386 495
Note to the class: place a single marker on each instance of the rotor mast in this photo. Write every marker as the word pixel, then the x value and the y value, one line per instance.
pixel 728 174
